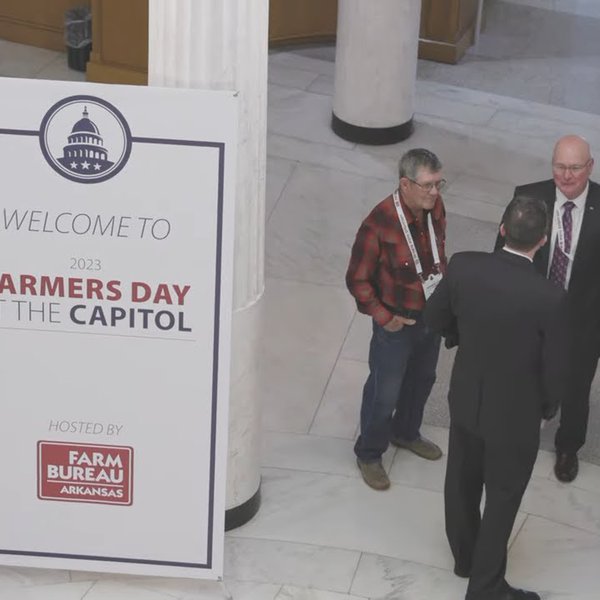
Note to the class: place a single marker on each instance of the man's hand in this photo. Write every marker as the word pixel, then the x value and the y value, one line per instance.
pixel 397 323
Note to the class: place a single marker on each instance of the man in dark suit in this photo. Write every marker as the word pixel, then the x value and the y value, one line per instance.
pixel 506 378
pixel 571 260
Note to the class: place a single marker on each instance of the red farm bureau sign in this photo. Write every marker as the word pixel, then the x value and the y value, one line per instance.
pixel 71 472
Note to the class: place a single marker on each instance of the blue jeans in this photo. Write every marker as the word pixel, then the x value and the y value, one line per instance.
pixel 402 366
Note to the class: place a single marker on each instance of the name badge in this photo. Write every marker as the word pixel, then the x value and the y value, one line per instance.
pixel 431 283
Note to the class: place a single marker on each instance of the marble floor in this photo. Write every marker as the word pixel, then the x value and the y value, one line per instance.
pixel 321 534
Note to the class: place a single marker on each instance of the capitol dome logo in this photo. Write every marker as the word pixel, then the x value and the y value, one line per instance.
pixel 85 139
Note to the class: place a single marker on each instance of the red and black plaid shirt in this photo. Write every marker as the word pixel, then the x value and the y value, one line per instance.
pixel 381 275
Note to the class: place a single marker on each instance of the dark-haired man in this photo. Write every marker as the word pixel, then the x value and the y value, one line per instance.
pixel 397 260
pixel 506 378
pixel 571 260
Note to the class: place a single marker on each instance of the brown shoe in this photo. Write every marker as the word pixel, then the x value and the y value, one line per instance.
pixel 374 474
pixel 421 447
pixel 566 466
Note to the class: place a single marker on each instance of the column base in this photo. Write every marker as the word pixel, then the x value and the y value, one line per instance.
pixel 240 515
pixel 372 136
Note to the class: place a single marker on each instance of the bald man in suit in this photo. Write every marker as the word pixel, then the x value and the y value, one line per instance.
pixel 571 260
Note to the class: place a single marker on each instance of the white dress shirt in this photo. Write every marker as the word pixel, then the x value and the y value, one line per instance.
pixel 577 217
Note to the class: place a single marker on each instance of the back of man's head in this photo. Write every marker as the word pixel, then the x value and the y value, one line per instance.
pixel 525 223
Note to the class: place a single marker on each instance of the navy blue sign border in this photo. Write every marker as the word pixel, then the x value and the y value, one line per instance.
pixel 220 146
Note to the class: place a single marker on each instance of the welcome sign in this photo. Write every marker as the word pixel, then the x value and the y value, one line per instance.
pixel 116 238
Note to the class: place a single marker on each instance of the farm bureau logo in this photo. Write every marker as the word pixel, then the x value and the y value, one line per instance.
pixel 85 139
pixel 85 473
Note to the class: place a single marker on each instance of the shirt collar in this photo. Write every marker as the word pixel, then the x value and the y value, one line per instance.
pixel 507 249
pixel 579 201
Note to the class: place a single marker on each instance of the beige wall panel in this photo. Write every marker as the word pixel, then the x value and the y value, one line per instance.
pixel 302 20
pixel 35 22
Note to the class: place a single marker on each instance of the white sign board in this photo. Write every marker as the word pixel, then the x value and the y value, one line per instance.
pixel 116 241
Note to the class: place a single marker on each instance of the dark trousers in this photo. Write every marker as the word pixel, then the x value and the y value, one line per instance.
pixel 479 541
pixel 575 408
pixel 402 372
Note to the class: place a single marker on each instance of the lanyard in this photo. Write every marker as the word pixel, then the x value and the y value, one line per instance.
pixel 410 241
pixel 560 233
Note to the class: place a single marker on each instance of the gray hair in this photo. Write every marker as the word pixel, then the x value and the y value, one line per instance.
pixel 415 159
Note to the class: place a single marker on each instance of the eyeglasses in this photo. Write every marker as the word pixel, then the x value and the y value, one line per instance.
pixel 427 187
pixel 575 169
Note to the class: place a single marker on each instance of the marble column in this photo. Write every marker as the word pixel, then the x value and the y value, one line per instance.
pixel 223 44
pixel 375 70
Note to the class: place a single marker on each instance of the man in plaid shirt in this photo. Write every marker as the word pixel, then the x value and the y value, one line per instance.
pixel 389 283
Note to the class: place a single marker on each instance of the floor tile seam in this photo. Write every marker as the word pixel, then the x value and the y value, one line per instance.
pixel 14 585
pixel 258 580
pixel 553 121
pixel 283 189
pixel 229 595
pixel 548 477
pixel 93 584
pixel 353 550
pixel 356 477
pixel 335 363
pixel 149 587
pixel 310 435
pixel 401 484
pixel 281 595
pixel 450 117
pixel 471 218
pixel 347 145
pixel 300 58
pixel 46 65
pixel 253 538
pixel 281 86
pixel 554 9
pixel 559 522
pixel 306 282
pixel 540 478
pixel 312 471
pixel 356 360
pixel 514 539
pixel 574 484
pixel 339 590
pixel 353 578
pixel 286 67
pixel 351 170
pixel 306 434
pixel 292 50
pixel 464 104
pixel 319 93
pixel 492 128
pixel 319 165
pixel 501 98
pixel 474 200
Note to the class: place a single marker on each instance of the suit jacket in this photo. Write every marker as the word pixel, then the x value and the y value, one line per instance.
pixel 584 286
pixel 508 368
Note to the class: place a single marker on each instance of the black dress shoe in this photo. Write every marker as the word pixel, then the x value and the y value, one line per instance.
pixel 566 466
pixel 515 594
pixel 507 593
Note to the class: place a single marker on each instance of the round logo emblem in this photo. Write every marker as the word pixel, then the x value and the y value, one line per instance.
pixel 85 139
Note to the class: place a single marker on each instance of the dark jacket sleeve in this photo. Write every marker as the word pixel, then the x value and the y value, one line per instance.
pixel 555 359
pixel 438 313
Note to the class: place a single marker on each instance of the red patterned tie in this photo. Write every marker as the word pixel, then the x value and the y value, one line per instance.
pixel 560 260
